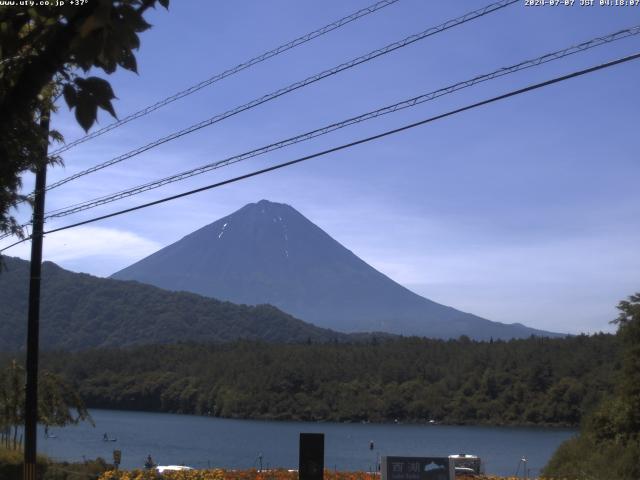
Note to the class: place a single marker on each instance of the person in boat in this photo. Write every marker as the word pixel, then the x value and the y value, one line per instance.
pixel 149 463
pixel 105 437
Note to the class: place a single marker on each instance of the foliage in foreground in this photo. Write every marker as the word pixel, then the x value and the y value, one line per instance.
pixel 11 467
pixel 58 403
pixel 44 50
pixel 220 474
pixel 608 446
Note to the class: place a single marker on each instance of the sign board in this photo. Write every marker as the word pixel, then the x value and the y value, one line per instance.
pixel 311 465
pixel 417 468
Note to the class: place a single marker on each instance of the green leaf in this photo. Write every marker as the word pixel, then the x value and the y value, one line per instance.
pixel 86 111
pixel 106 105
pixel 70 96
pixel 56 136
pixel 99 87
pixel 86 50
pixel 128 61
pixel 134 19
pixel 93 92
pixel 100 19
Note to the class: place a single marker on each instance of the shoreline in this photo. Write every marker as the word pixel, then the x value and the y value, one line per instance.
pixel 426 423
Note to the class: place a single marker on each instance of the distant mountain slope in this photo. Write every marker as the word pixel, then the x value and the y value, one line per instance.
pixel 269 253
pixel 80 311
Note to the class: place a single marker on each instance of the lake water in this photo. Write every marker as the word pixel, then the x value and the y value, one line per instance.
pixel 213 442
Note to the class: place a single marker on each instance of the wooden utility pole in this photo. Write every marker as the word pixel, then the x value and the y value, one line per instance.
pixel 33 326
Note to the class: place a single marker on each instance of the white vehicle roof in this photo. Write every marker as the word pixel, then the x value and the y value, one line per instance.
pixel 165 468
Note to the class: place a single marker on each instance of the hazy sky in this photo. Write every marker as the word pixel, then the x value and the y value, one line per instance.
pixel 522 211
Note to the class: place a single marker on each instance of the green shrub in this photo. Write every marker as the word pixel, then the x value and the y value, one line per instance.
pixel 11 467
pixel 608 446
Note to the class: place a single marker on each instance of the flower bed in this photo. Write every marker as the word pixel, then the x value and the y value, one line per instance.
pixel 220 474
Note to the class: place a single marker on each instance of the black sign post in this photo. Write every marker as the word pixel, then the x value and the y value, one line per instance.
pixel 117 457
pixel 311 464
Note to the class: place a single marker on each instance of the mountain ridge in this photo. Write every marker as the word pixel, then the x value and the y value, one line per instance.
pixel 80 311
pixel 268 252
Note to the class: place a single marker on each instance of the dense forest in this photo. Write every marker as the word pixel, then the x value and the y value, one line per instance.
pixel 81 311
pixel 534 381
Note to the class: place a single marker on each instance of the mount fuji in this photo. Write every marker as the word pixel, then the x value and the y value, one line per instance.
pixel 269 253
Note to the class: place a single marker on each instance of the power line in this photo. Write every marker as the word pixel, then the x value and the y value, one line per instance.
pixel 294 86
pixel 16 243
pixel 598 41
pixel 349 145
pixel 231 71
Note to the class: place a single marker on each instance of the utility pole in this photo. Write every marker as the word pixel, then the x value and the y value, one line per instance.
pixel 33 326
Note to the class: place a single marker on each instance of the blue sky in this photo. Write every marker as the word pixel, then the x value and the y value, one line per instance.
pixel 521 211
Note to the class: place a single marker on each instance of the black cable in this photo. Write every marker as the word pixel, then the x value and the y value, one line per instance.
pixel 347 145
pixel 556 55
pixel 354 143
pixel 232 71
pixel 16 243
pixel 294 86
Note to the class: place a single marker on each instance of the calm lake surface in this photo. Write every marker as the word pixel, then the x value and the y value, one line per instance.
pixel 212 442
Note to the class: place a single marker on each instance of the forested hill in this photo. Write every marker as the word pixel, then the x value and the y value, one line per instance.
pixel 533 381
pixel 81 311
